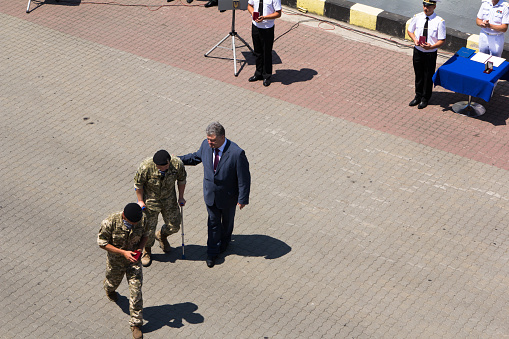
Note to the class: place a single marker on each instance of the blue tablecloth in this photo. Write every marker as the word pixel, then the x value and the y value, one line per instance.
pixel 465 76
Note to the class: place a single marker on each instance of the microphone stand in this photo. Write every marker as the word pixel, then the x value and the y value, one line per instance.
pixel 234 35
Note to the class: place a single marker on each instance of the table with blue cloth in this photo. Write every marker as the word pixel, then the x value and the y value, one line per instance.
pixel 462 75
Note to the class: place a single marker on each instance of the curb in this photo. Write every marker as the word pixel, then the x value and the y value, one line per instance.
pixel 382 21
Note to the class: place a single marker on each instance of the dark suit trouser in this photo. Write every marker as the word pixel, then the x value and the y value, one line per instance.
pixel 263 40
pixel 220 228
pixel 424 68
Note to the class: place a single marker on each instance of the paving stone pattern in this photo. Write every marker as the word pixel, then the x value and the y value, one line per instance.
pixel 368 218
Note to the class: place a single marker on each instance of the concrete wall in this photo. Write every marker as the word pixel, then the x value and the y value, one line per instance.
pixel 381 21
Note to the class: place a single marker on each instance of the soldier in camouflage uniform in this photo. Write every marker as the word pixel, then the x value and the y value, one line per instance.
pixel 154 183
pixel 121 234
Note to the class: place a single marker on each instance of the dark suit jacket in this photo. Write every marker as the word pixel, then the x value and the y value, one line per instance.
pixel 232 181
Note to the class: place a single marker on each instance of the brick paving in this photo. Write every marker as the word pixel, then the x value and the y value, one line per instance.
pixel 368 218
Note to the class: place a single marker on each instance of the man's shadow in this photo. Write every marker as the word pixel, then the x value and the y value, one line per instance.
pixel 290 76
pixel 497 109
pixel 246 245
pixel 165 315
pixel 38 3
pixel 250 59
pixel 284 76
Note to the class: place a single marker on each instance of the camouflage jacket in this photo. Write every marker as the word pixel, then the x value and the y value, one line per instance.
pixel 156 189
pixel 114 232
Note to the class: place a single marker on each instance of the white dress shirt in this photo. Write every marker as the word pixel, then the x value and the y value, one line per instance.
pixel 220 153
pixel 496 14
pixel 436 29
pixel 269 7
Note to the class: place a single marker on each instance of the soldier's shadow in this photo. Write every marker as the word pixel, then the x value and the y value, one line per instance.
pixel 165 315
pixel 246 245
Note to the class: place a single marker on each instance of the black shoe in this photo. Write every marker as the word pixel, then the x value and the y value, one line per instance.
pixel 189 1
pixel 255 78
pixel 112 296
pixel 266 82
pixel 415 102
pixel 211 3
pixel 211 261
pixel 423 104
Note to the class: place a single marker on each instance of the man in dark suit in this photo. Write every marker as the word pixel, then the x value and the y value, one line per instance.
pixel 226 184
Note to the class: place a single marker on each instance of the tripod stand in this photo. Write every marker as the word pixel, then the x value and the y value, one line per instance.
pixel 234 35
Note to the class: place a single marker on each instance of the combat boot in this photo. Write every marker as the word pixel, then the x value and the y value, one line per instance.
pixel 163 242
pixel 112 296
pixel 146 259
pixel 137 334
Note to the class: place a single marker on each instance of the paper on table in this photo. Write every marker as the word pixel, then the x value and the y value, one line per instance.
pixel 480 57
pixel 496 61
pixel 483 57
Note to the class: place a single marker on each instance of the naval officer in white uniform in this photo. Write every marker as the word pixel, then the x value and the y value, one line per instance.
pixel 493 18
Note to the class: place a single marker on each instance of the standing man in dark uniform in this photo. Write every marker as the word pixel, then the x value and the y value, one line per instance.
pixel 226 184
pixel 263 36
pixel 427 30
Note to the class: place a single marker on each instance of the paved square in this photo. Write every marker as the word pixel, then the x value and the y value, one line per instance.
pixel 368 218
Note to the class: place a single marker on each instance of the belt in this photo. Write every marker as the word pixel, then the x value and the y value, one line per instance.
pixel 492 34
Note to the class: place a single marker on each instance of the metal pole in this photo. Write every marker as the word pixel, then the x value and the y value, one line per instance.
pixel 234 56
pixel 182 217
pixel 233 21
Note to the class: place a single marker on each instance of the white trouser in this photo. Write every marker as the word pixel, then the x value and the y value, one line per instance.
pixel 491 44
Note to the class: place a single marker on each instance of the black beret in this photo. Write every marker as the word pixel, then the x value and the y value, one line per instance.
pixel 161 157
pixel 133 212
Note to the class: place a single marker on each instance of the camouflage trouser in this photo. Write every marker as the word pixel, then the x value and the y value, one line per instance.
pixel 115 274
pixel 171 218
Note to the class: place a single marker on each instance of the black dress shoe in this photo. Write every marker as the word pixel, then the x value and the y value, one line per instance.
pixel 423 104
pixel 211 3
pixel 255 78
pixel 189 1
pixel 415 102
pixel 211 261
pixel 266 82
